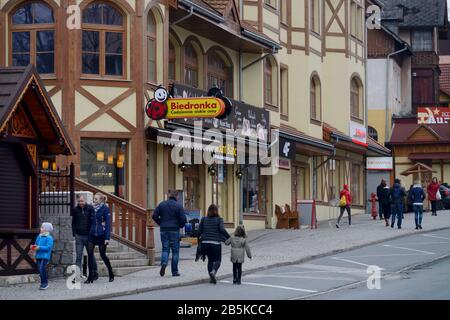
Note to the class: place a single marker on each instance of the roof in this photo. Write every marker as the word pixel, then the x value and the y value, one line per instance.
pixel 444 79
pixel 430 156
pixel 218 5
pixel 416 13
pixel 302 137
pixel 24 84
pixel 404 129
pixel 377 147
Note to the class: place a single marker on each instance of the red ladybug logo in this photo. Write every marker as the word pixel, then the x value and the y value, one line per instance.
pixel 156 110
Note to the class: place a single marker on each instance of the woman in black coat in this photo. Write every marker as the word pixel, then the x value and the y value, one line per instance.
pixel 212 233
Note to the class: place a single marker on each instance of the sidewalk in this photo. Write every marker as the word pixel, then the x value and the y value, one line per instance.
pixel 269 247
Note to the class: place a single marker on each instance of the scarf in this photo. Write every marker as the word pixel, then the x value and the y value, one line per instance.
pixel 97 207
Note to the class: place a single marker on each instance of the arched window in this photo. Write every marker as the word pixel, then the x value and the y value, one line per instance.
pixel 103 43
pixel 356 96
pixel 220 73
pixel 268 80
pixel 316 98
pixel 172 61
pixel 151 48
pixel 190 66
pixel 33 36
pixel 373 133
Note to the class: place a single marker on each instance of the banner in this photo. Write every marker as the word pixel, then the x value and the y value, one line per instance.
pixel 433 115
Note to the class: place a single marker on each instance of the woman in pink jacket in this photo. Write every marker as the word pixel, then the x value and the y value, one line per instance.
pixel 433 189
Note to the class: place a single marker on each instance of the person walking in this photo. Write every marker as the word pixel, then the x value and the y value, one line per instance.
pixel 43 247
pixel 397 197
pixel 81 225
pixel 239 247
pixel 380 190
pixel 212 232
pixel 345 204
pixel 417 196
pixel 170 217
pixel 433 189
pixel 99 235
pixel 385 202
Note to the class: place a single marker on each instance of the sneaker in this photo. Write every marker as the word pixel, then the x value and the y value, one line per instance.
pixel 337 226
pixel 420 227
pixel 83 277
pixel 212 276
pixel 95 276
pixel 176 275
pixel 399 228
pixel 43 287
pixel 162 272
pixel 417 228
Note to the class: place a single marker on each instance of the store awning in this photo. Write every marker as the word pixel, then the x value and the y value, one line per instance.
pixel 342 140
pixel 306 144
pixel 430 156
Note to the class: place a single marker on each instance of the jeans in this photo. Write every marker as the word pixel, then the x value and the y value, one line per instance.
pixel 418 214
pixel 170 240
pixel 237 272
pixel 434 207
pixel 349 212
pixel 397 212
pixel 42 267
pixel 380 210
pixel 81 241
pixel 214 254
pixel 387 211
pixel 100 241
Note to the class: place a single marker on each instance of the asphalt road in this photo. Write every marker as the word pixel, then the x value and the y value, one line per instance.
pixel 403 275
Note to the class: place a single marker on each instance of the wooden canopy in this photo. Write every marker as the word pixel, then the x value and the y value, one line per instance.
pixel 27 113
pixel 418 168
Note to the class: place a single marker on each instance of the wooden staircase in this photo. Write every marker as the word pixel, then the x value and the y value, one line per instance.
pixel 132 245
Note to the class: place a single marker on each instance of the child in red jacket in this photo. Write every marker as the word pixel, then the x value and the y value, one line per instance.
pixel 433 189
pixel 348 202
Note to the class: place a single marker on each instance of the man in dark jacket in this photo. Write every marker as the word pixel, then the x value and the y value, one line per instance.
pixel 170 217
pixel 417 196
pixel 81 224
pixel 380 196
pixel 397 198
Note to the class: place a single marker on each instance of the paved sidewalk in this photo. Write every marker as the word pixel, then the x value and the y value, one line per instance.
pixel 270 248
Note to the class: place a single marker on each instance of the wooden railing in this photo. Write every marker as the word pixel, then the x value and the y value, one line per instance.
pixel 131 225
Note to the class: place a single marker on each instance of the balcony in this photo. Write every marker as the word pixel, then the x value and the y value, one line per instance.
pixel 425 58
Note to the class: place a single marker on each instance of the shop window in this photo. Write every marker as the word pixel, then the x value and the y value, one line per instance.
pixel 356 185
pixel 104 165
pixel 356 98
pixel 222 184
pixel 250 196
pixel 103 40
pixel 191 68
pixel 316 98
pixel 151 48
pixel 33 37
pixel 220 72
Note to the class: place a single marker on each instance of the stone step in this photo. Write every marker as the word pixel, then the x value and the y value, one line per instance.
pixel 125 263
pixel 121 255
pixel 123 271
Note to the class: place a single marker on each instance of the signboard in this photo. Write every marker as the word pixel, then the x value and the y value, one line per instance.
pixel 433 115
pixel 181 108
pixel 226 153
pixel 358 133
pixel 284 164
pixel 380 163
pixel 287 148
pixel 247 120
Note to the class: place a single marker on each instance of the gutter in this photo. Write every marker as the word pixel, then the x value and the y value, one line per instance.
pixel 261 40
pixel 198 9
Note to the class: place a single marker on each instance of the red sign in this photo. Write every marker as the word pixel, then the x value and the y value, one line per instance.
pixel 433 115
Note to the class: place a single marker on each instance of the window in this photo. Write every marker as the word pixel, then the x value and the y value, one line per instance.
pixel 356 98
pixel 250 179
pixel 316 99
pixel 422 40
pixel 272 3
pixel 220 73
pixel 373 133
pixel 103 40
pixel 268 89
pixel 284 84
pixel 33 37
pixel 104 163
pixel 172 61
pixel 356 20
pixel 190 66
pixel 151 48
pixel 284 11
pixel 315 16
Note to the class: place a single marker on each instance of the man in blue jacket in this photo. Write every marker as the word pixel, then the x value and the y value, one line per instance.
pixel 417 196
pixel 170 217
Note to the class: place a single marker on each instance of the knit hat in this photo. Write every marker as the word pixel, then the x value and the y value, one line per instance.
pixel 47 226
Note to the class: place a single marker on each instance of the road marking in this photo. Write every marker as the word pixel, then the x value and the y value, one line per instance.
pixel 433 236
pixel 387 255
pixel 426 243
pixel 408 249
pixel 351 261
pixel 327 268
pixel 285 276
pixel 273 286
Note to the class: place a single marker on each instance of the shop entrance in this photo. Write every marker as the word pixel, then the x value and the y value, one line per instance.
pixel 191 187
pixel 300 190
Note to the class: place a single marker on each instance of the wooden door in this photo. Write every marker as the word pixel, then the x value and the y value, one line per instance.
pixel 191 188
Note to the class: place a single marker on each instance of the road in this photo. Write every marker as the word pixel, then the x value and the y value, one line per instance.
pixel 340 276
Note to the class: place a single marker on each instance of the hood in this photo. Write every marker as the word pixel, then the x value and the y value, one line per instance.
pixel 397 186
pixel 417 186
pixel 346 187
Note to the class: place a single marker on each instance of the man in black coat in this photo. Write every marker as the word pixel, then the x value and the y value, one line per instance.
pixel 380 196
pixel 81 224
pixel 170 217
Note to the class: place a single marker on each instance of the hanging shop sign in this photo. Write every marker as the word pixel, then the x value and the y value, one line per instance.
pixel 358 134
pixel 162 106
pixel 433 115
pixel 287 149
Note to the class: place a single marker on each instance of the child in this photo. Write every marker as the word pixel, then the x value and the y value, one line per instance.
pixel 43 248
pixel 239 247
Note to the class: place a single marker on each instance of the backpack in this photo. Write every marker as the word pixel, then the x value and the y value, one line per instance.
pixel 343 202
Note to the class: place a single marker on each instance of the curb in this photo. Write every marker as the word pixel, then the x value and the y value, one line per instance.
pixel 249 271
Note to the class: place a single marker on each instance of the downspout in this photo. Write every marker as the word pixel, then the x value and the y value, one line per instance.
pixel 191 12
pixel 388 59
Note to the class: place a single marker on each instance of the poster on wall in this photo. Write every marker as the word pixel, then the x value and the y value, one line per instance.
pixel 358 133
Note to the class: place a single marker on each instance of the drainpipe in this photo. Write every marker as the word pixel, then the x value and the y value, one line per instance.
pixel 191 12
pixel 388 59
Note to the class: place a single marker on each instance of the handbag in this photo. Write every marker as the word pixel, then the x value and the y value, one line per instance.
pixel 343 202
pixel 438 195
